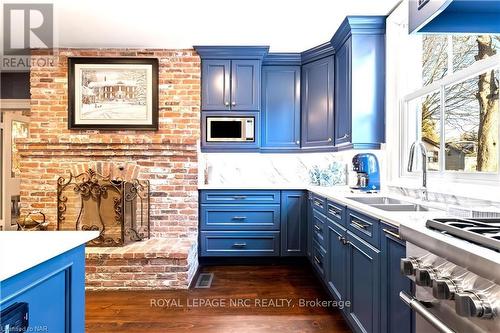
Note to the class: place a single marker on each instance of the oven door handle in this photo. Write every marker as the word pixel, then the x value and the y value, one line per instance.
pixel 419 308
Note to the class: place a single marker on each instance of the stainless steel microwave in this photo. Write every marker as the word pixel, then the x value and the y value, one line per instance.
pixel 230 129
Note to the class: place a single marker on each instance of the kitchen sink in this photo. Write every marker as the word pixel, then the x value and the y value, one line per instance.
pixel 407 207
pixel 391 204
pixel 378 200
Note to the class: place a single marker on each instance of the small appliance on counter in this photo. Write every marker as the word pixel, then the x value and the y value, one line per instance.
pixel 367 172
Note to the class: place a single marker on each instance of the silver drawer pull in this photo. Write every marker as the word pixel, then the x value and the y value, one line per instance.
pixel 393 234
pixel 318 261
pixel 359 224
pixel 239 197
pixel 239 218
pixel 318 203
pixel 240 244
pixel 420 309
pixel 317 228
pixel 334 212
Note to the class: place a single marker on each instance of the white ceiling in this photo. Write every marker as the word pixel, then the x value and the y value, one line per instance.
pixel 285 25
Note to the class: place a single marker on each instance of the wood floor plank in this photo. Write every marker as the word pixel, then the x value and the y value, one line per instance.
pixel 270 298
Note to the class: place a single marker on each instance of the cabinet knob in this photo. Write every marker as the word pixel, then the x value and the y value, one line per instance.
pixel 329 139
pixel 233 103
pixel 297 142
pixel 226 103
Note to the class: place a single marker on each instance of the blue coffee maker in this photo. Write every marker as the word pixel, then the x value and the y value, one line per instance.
pixel 368 172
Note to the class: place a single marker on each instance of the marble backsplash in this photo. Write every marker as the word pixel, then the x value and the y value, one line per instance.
pixel 255 168
pixel 251 169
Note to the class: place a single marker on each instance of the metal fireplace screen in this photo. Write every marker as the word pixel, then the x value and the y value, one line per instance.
pixel 117 208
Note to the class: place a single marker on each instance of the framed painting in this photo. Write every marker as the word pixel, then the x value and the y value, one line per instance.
pixel 113 93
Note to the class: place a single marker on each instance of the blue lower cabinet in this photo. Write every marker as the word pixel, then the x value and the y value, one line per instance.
pixel 319 260
pixel 53 293
pixel 239 217
pixel 337 260
pixel 363 284
pixel 239 197
pixel 240 243
pixel 396 317
pixel 319 228
pixel 293 223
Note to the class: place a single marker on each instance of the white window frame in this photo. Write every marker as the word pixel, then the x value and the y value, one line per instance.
pixel 473 70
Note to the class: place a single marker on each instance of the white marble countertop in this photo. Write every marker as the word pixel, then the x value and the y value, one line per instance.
pixel 21 250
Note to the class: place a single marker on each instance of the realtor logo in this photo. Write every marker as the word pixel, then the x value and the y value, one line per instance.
pixel 27 26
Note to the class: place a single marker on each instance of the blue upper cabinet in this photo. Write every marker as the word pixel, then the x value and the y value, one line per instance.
pixel 245 85
pixel 280 118
pixel 230 77
pixel 317 104
pixel 215 85
pixel 343 130
pixel 359 46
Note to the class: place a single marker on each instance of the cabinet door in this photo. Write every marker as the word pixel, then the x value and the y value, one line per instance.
pixel 343 94
pixel 336 257
pixel 317 104
pixel 293 223
pixel 310 224
pixel 396 317
pixel 280 107
pixel 215 85
pixel 245 85
pixel 363 284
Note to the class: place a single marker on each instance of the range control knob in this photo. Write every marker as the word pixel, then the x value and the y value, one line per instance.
pixel 469 304
pixel 444 288
pixel 408 266
pixel 425 275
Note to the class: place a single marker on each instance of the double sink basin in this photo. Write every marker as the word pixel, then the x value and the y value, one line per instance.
pixel 391 204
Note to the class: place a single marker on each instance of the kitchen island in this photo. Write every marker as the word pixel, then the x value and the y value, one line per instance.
pixel 42 280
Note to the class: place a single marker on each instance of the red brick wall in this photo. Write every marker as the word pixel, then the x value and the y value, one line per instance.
pixel 167 157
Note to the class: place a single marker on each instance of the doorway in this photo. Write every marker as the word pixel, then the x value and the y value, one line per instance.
pixel 13 125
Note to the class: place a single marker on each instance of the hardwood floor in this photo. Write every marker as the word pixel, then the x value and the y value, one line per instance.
pixel 257 288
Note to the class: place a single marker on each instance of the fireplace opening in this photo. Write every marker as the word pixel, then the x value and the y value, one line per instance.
pixel 119 209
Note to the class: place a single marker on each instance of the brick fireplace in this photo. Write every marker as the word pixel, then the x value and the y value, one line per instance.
pixel 167 158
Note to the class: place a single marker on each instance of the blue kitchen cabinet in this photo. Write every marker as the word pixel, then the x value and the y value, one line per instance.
pixel 240 243
pixel 363 284
pixel 293 223
pixel 395 316
pixel 239 217
pixel 317 104
pixel 343 94
pixel 337 260
pixel 54 292
pixel 359 45
pixel 280 119
pixel 230 85
pixel 216 85
pixel 245 85
pixel 309 224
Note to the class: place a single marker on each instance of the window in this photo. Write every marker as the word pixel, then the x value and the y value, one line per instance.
pixel 455 113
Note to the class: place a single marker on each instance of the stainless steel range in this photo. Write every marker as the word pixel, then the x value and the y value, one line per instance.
pixel 455 264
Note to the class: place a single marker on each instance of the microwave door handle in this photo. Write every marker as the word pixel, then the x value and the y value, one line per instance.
pixel 420 309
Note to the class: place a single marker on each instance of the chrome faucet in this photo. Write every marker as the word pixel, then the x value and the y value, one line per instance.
pixel 423 152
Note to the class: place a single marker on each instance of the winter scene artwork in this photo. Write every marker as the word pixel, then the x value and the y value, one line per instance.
pixel 113 95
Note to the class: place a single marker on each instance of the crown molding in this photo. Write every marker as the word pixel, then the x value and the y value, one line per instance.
pixel 231 52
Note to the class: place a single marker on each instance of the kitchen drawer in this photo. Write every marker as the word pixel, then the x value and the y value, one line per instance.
pixel 336 212
pixel 240 243
pixel 319 228
pixel 319 259
pixel 364 227
pixel 240 217
pixel 237 196
pixel 319 203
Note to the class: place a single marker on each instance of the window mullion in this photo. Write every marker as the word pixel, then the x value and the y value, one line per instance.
pixel 442 138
